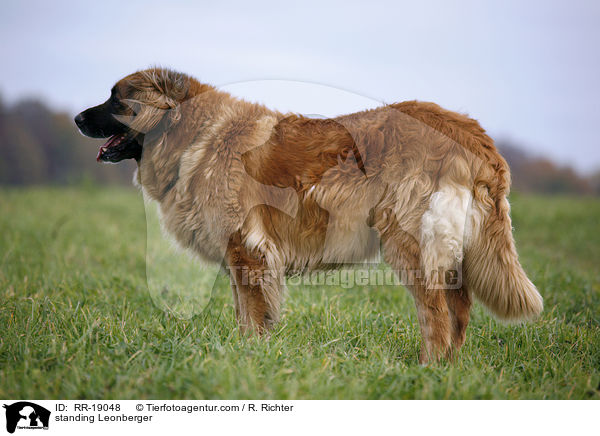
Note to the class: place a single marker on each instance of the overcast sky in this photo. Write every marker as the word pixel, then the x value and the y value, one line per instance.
pixel 529 71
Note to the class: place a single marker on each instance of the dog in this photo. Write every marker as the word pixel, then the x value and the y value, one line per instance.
pixel 270 194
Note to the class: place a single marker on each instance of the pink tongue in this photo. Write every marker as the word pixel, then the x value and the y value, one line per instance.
pixel 112 140
pixel 115 139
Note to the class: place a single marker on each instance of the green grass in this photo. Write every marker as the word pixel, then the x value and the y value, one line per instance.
pixel 77 319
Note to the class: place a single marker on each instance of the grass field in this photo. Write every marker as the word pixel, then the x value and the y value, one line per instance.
pixel 77 320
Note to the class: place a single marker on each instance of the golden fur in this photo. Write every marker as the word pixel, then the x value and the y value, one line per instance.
pixel 274 194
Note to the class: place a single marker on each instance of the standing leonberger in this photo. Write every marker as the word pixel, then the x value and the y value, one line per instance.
pixel 271 194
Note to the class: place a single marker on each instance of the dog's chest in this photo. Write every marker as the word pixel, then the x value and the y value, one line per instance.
pixel 196 225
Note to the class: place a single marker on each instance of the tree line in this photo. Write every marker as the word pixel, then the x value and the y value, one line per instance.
pixel 41 146
pixel 538 174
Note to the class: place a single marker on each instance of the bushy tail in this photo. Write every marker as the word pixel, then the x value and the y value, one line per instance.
pixel 492 270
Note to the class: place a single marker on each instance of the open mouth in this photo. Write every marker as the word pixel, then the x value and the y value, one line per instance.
pixel 113 141
pixel 118 147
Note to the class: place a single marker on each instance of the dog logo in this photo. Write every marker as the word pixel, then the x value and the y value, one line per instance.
pixel 26 415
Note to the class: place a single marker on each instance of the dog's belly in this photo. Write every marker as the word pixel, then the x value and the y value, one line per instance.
pixel 342 241
pixel 350 242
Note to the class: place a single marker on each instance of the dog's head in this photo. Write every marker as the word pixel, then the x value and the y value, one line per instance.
pixel 144 102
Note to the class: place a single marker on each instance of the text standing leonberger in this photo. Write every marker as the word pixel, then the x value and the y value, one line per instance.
pixel 271 194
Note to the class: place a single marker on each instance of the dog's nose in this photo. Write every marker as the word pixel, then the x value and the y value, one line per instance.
pixel 79 119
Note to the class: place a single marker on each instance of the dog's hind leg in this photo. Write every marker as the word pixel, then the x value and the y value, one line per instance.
pixel 445 229
pixel 251 284
pixel 459 305
pixel 434 319
pixel 402 252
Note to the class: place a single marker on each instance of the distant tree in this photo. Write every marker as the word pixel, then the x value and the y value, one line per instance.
pixel 38 146
pixel 595 182
pixel 532 174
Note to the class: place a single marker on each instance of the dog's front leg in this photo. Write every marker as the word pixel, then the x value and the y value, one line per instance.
pixel 251 284
pixel 234 292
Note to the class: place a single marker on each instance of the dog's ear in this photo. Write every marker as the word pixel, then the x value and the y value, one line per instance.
pixel 154 94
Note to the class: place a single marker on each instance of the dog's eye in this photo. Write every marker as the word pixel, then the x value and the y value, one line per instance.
pixel 116 104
